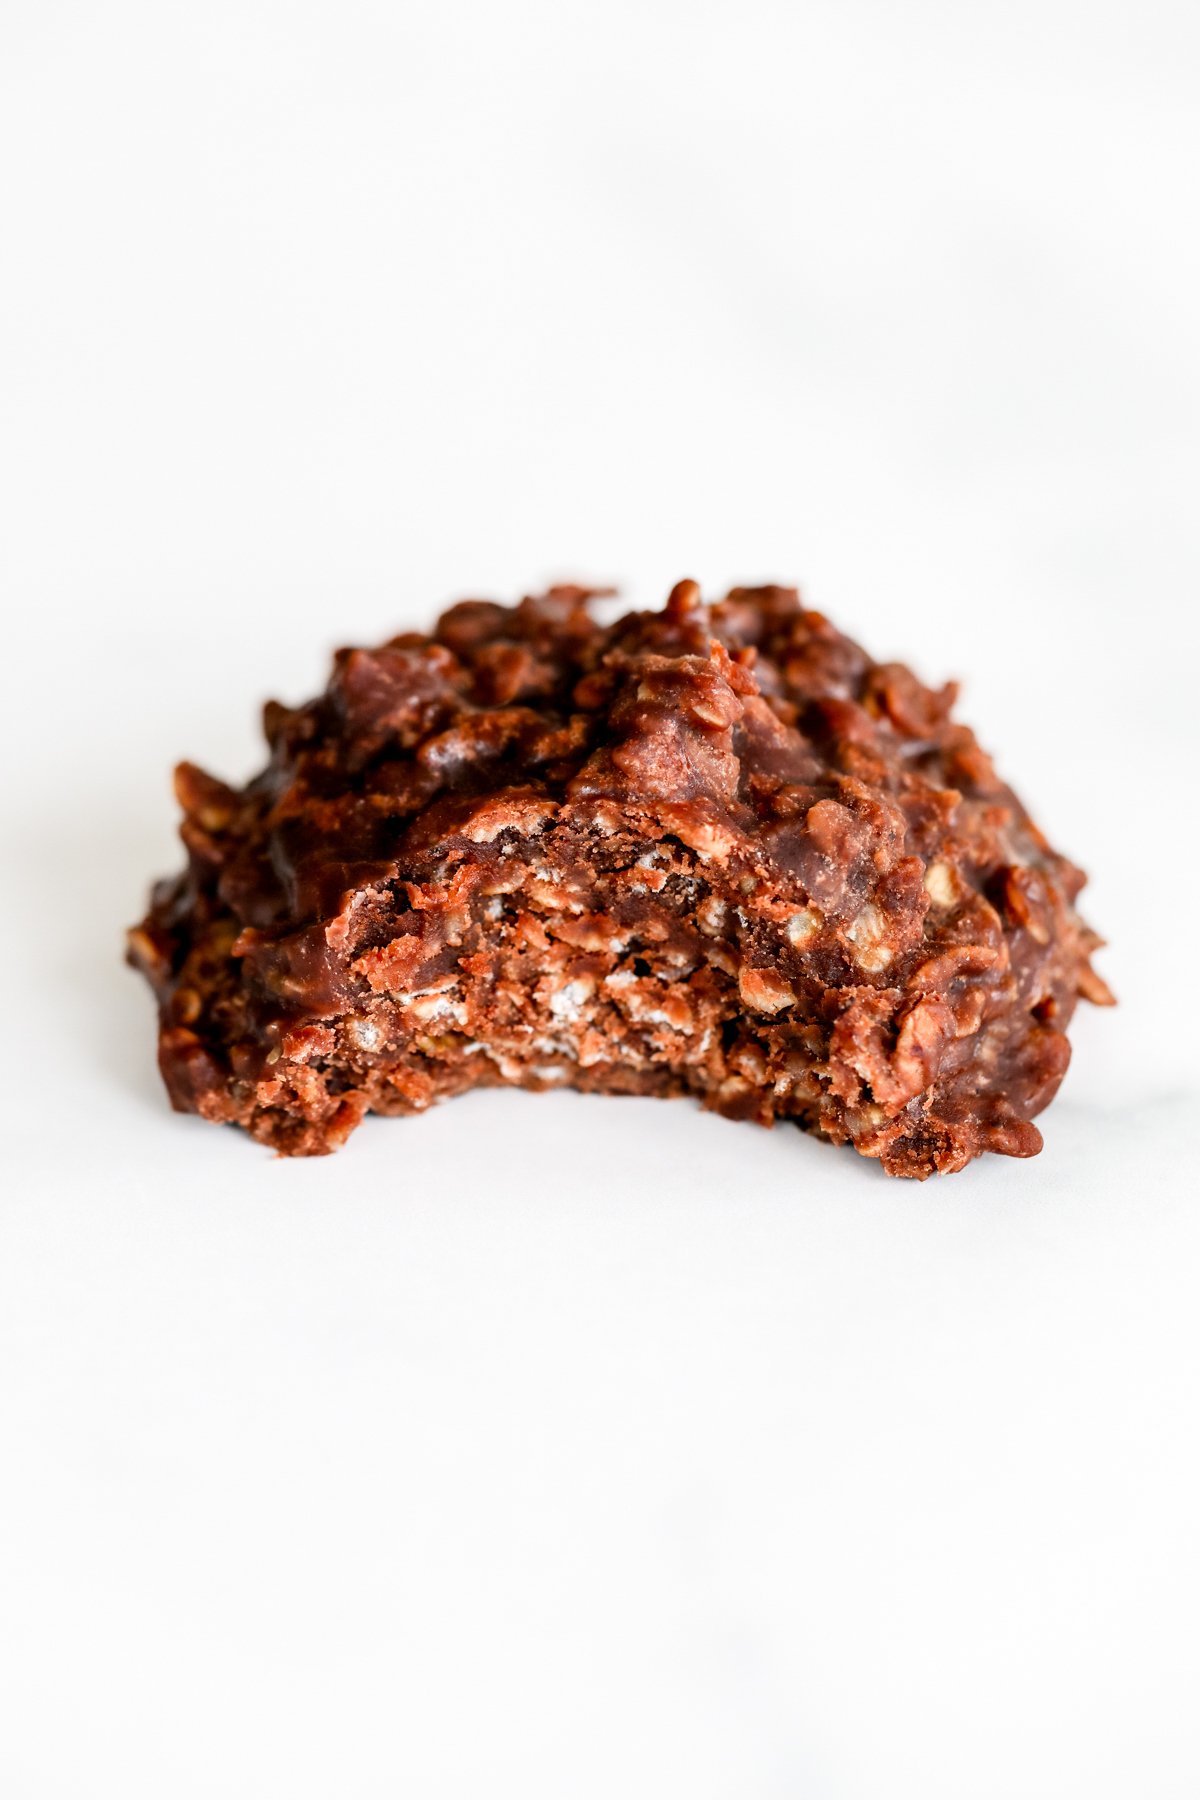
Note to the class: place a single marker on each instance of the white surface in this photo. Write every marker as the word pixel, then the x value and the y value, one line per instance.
pixel 548 1446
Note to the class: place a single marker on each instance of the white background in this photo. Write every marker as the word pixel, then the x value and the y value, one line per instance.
pixel 548 1446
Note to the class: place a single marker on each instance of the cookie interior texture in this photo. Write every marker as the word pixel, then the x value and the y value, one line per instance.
pixel 712 851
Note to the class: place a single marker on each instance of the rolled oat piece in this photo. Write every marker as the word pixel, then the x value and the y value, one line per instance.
pixel 711 851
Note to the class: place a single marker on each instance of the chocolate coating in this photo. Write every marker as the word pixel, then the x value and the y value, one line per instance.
pixel 713 851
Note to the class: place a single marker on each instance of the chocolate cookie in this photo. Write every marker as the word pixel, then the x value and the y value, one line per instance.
pixel 713 851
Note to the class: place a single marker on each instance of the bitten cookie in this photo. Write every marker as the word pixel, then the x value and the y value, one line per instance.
pixel 711 851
